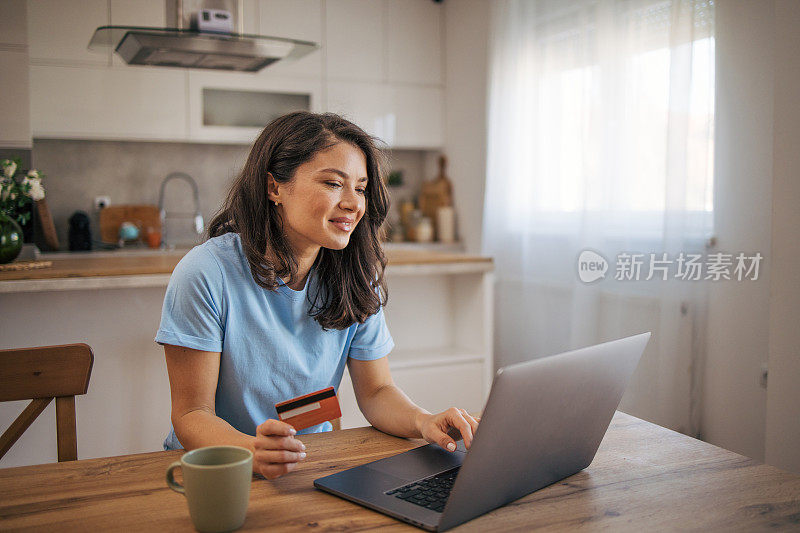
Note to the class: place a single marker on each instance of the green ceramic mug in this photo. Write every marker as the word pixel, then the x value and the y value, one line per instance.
pixel 216 483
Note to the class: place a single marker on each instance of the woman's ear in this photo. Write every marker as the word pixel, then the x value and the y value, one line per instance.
pixel 273 192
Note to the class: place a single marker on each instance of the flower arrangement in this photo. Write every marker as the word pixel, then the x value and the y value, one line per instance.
pixel 17 194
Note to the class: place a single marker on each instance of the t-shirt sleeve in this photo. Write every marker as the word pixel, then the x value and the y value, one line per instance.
pixel 372 339
pixel 192 315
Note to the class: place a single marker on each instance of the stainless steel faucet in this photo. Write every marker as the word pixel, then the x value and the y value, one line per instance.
pixel 198 218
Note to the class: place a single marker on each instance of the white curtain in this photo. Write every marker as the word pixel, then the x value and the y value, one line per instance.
pixel 601 138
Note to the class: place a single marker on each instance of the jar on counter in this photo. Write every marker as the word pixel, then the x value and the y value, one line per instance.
pixel 424 230
pixel 408 218
pixel 446 224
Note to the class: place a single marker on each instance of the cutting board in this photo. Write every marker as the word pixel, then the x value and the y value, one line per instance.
pixel 46 223
pixel 436 193
pixel 112 217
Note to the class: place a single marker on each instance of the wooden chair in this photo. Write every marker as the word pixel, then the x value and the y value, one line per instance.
pixel 41 374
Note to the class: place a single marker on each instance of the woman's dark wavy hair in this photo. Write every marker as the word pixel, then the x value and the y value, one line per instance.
pixel 351 282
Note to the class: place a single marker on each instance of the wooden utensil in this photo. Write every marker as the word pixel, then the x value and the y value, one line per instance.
pixel 112 217
pixel 46 221
pixel 436 193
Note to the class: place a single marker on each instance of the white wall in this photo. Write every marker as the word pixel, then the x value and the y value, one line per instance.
pixel 734 405
pixel 783 393
pixel 757 193
pixel 466 37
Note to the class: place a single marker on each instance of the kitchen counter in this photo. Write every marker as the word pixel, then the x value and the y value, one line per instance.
pixel 87 271
pixel 440 313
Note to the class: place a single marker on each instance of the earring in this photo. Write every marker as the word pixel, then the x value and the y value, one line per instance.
pixel 276 203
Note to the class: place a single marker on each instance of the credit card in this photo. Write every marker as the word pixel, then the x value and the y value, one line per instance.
pixel 310 409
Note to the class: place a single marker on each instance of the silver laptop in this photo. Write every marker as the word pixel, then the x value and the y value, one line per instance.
pixel 543 421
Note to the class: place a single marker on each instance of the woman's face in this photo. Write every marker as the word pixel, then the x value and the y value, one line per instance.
pixel 324 202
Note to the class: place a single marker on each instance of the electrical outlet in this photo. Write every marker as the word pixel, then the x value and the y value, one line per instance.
pixel 101 201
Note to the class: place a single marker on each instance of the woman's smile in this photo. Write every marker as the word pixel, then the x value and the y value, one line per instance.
pixel 344 223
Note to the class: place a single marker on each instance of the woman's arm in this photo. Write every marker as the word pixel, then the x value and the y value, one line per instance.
pixel 389 409
pixel 193 376
pixel 193 379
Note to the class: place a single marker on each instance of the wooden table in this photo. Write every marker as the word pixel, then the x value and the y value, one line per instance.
pixel 644 478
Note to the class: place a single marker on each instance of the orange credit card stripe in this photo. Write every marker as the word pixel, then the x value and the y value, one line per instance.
pixel 306 398
pixel 304 415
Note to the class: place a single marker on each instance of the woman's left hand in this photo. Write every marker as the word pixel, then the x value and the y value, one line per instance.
pixel 448 426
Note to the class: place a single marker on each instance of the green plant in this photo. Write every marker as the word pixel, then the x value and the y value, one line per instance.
pixel 16 194
pixel 395 178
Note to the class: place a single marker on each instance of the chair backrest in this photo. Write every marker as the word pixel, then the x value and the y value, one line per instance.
pixel 41 374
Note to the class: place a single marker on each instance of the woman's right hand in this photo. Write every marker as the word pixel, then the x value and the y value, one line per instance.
pixel 276 450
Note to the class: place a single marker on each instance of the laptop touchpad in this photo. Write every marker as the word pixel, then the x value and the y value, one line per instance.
pixel 420 462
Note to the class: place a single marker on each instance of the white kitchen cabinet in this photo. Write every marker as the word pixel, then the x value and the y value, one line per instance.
pixel 60 30
pixel 15 124
pixel 131 103
pixel 262 82
pixel 366 104
pixel 355 40
pixel 149 13
pixel 414 42
pixel 442 322
pixel 393 87
pixel 402 115
pixel 13 23
pixel 250 17
pixel 419 116
pixel 379 64
pixel 457 384
pixel 294 19
pixel 15 131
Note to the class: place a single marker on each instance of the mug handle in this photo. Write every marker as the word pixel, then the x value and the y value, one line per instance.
pixel 174 485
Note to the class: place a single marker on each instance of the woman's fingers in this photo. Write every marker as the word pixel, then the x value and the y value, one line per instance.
pixel 278 443
pixel 274 470
pixel 457 420
pixel 277 451
pixel 276 435
pixel 452 418
pixel 473 422
pixel 275 463
pixel 278 456
pixel 275 427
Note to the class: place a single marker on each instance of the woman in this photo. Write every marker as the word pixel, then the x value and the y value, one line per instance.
pixel 287 290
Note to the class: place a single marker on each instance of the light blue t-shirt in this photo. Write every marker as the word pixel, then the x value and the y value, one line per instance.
pixel 271 350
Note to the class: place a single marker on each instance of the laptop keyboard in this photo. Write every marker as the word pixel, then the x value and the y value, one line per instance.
pixel 430 492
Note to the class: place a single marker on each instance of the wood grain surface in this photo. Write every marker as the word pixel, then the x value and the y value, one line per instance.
pixel 644 478
pixel 45 371
pixel 41 374
pixel 112 217
pixel 80 267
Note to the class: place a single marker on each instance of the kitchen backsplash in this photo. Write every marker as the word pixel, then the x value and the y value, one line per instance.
pixel 23 155
pixel 131 173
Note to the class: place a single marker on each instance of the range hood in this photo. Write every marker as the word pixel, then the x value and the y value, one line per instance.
pixel 188 48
